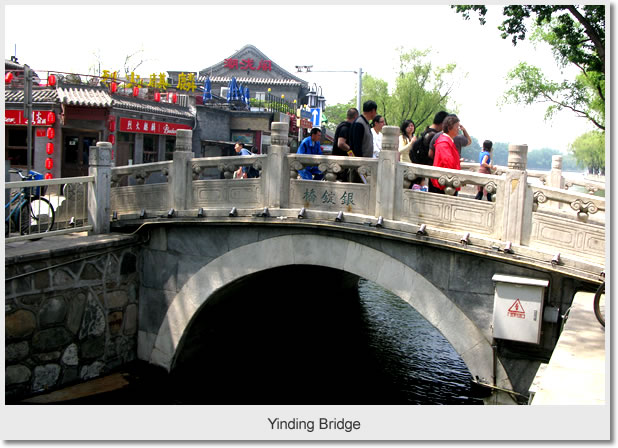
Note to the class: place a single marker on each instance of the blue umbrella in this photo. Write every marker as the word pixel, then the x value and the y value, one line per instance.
pixel 230 89
pixel 241 93
pixel 207 90
pixel 247 95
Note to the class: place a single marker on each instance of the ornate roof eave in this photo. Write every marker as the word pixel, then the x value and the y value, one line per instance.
pixel 205 72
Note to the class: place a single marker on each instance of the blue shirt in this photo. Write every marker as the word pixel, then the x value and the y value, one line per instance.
pixel 308 146
pixel 482 155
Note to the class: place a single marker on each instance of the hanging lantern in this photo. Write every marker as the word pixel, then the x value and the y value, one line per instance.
pixel 49 163
pixel 8 77
pixel 111 124
pixel 114 87
pixel 51 80
pixel 51 117
pixel 157 97
pixel 174 98
pixel 111 138
pixel 48 176
pixel 50 148
pixel 51 133
pixel 135 91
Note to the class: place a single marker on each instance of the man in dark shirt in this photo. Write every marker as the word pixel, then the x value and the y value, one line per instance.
pixel 341 141
pixel 361 140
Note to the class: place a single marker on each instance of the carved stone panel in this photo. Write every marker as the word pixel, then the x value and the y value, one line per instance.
pixel 549 231
pixel 449 213
pixel 227 193
pixel 134 198
pixel 330 196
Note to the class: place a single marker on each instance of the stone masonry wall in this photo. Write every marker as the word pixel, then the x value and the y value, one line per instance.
pixel 66 323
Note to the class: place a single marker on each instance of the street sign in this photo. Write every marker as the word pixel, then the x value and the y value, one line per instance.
pixel 316 117
pixel 304 113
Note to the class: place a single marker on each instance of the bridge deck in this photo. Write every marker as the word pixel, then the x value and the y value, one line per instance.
pixel 575 374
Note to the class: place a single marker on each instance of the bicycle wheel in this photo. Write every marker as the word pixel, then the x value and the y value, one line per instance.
pixel 599 304
pixel 42 215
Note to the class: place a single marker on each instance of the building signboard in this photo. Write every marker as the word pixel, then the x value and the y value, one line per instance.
pixel 150 127
pixel 16 117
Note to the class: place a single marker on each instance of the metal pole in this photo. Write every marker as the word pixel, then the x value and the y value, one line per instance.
pixel 28 112
pixel 360 90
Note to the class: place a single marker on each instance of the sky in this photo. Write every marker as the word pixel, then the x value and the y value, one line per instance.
pixel 193 37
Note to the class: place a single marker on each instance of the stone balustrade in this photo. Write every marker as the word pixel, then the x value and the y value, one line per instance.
pixel 517 214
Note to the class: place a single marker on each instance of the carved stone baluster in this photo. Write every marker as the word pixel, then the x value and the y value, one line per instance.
pixel 330 170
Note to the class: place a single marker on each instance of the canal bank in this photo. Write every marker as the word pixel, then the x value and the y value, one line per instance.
pixel 576 372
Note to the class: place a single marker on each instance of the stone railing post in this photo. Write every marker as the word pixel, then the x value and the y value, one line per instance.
pixel 277 173
pixel 387 181
pixel 181 176
pixel 100 166
pixel 517 200
pixel 555 176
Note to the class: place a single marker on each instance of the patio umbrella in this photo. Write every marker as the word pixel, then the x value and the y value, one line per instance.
pixel 230 89
pixel 207 90
pixel 235 95
pixel 247 96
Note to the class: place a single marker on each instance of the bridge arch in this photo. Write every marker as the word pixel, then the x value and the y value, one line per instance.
pixel 328 251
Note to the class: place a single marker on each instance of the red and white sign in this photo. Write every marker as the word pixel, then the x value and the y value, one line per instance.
pixel 150 127
pixel 516 310
pixel 16 117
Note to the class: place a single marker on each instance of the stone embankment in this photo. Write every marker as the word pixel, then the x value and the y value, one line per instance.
pixel 70 310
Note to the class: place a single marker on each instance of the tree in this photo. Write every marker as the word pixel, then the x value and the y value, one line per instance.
pixel 589 150
pixel 576 35
pixel 421 90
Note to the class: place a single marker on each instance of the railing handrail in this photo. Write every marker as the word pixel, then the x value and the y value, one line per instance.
pixel 47 182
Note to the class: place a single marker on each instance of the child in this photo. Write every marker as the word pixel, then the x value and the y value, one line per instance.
pixel 485 168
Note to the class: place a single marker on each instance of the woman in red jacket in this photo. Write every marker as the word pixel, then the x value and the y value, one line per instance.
pixel 446 154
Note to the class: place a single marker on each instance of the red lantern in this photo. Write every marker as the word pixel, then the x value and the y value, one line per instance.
pixel 50 148
pixel 114 87
pixel 8 77
pixel 48 176
pixel 111 138
pixel 51 117
pixel 51 80
pixel 135 91
pixel 157 97
pixel 51 133
pixel 111 125
pixel 174 98
pixel 49 163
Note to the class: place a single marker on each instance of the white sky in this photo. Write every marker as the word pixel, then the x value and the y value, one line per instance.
pixel 192 37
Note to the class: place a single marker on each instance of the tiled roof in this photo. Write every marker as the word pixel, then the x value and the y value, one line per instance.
pixel 141 105
pixel 38 96
pixel 84 96
pixel 245 80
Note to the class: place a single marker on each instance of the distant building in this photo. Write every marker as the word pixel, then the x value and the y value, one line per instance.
pixel 141 124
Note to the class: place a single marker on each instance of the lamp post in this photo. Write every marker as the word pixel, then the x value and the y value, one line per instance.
pixel 308 68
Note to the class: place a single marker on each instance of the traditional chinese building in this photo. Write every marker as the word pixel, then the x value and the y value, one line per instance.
pixel 140 115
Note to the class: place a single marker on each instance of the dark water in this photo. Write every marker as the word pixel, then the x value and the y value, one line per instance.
pixel 308 343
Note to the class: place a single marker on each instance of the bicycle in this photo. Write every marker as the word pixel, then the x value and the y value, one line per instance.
pixel 27 211
pixel 599 304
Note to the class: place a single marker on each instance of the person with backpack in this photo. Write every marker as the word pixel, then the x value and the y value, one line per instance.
pixel 420 152
pixel 406 140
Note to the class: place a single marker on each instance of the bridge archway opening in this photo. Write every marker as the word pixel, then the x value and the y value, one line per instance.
pixel 321 336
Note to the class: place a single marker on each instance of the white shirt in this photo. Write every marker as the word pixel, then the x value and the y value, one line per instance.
pixel 377 143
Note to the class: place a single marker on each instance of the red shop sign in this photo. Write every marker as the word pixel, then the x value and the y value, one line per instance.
pixel 16 117
pixel 150 127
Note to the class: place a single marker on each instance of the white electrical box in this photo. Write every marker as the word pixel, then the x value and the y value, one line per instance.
pixel 518 305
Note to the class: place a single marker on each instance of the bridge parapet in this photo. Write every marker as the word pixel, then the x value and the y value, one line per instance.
pixel 513 216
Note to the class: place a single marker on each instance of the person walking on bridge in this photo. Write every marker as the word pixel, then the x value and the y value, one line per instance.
pixel 446 155
pixel 486 167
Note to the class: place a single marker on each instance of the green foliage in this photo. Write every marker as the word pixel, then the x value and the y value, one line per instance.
pixel 589 151
pixel 528 85
pixel 421 90
pixel 576 35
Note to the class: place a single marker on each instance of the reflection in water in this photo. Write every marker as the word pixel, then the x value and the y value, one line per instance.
pixel 314 344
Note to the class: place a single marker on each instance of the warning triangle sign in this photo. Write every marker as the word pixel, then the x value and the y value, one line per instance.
pixel 517 310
